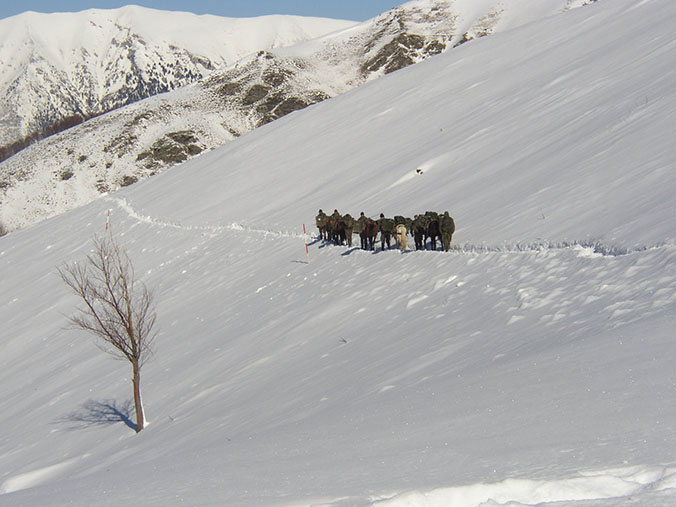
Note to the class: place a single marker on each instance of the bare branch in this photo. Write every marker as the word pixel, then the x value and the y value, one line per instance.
pixel 118 309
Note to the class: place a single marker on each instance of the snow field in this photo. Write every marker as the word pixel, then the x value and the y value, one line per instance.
pixel 531 365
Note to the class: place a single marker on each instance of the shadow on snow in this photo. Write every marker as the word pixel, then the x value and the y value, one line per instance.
pixel 98 413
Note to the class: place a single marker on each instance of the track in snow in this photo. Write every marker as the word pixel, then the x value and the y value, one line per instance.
pixel 589 248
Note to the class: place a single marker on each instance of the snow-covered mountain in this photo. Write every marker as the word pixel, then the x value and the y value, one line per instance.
pixel 58 69
pixel 531 365
pixel 135 142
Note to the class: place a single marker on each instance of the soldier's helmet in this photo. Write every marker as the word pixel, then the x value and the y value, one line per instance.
pixel 382 216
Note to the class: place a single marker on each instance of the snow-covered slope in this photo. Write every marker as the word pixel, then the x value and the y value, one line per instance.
pixel 56 69
pixel 532 365
pixel 132 143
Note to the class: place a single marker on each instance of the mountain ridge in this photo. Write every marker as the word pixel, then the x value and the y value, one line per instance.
pixel 67 67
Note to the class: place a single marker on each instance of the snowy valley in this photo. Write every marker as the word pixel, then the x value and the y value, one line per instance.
pixel 531 365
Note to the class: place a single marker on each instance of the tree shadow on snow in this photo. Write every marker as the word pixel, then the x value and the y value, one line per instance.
pixel 98 413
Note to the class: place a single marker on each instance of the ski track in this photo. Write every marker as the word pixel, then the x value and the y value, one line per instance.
pixel 588 248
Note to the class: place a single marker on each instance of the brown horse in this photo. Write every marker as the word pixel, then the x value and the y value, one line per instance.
pixel 340 233
pixel 368 234
pixel 433 232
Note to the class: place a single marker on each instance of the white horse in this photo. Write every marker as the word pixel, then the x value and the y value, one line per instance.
pixel 400 236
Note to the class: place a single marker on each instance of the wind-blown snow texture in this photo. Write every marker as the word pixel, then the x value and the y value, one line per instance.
pixel 531 365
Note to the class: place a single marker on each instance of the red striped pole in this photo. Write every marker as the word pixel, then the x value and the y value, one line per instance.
pixel 307 249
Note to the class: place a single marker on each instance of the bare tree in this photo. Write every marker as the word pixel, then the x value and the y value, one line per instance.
pixel 118 309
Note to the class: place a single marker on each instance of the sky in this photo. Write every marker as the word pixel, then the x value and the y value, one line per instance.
pixel 356 10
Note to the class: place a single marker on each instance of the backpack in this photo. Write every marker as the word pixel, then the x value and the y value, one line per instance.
pixel 387 225
pixel 399 220
pixel 421 222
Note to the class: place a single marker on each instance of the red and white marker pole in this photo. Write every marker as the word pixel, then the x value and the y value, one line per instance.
pixel 307 249
pixel 108 220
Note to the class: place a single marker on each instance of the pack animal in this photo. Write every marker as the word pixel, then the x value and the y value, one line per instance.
pixel 400 236
pixel 339 232
pixel 368 234
pixel 434 232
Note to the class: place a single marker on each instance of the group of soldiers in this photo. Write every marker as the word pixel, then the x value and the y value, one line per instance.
pixel 429 226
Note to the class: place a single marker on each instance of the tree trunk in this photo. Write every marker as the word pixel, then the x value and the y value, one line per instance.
pixel 140 418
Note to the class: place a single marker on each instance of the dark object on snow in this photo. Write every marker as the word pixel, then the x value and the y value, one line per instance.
pixel 447 226
pixel 368 234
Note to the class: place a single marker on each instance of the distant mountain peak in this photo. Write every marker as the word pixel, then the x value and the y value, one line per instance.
pixel 98 60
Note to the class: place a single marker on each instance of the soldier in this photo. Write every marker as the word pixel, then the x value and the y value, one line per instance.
pixel 349 224
pixel 332 226
pixel 320 221
pixel 386 227
pixel 447 226
pixel 358 224
pixel 419 229
pixel 361 225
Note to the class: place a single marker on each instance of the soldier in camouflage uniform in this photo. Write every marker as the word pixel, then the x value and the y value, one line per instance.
pixel 447 227
pixel 419 230
pixel 360 226
pixel 320 222
pixel 348 221
pixel 332 226
pixel 386 227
